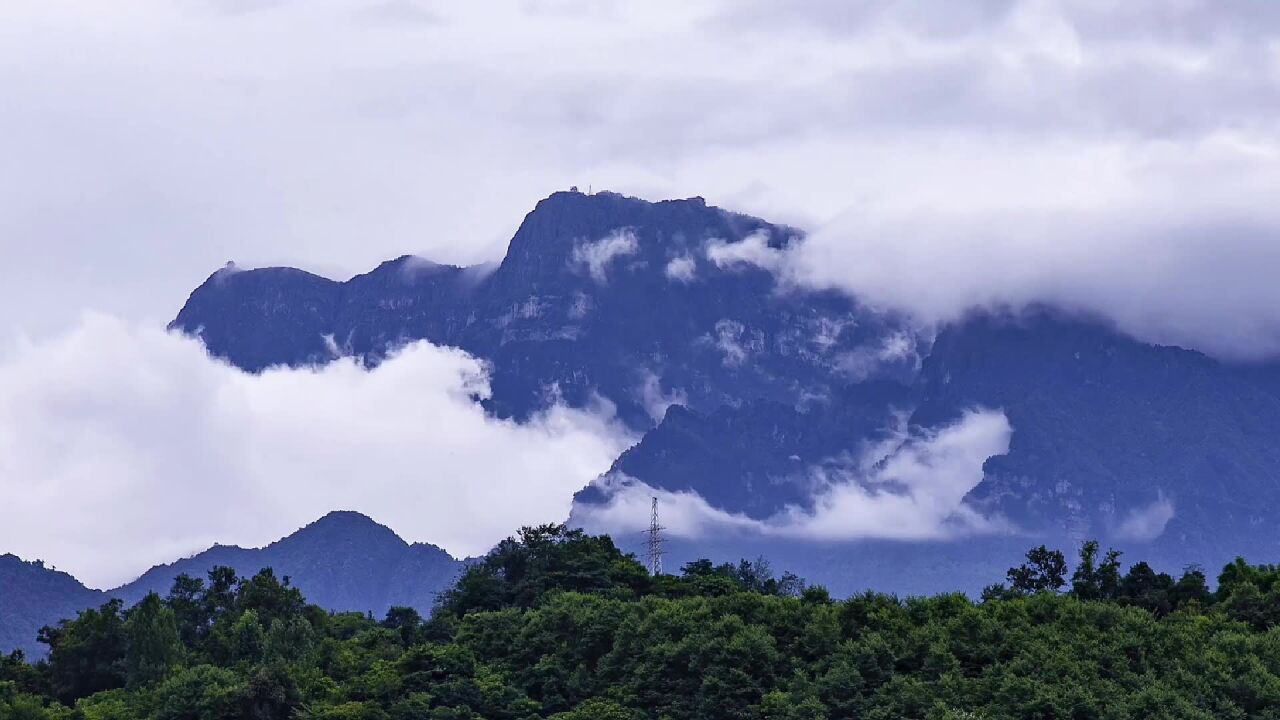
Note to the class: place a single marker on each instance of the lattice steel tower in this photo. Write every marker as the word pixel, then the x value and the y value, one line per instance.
pixel 654 555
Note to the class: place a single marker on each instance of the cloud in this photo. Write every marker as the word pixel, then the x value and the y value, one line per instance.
pixel 753 250
pixel 1116 157
pixel 682 269
pixel 399 13
pixel 122 446
pixel 596 256
pixel 864 361
pixel 1122 155
pixel 684 514
pixel 735 341
pixel 910 487
pixel 914 491
pixel 655 400
pixel 1165 267
pixel 1148 521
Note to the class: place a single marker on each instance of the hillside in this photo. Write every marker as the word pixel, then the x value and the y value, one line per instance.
pixel 33 595
pixel 747 388
pixel 343 562
pixel 598 294
pixel 558 624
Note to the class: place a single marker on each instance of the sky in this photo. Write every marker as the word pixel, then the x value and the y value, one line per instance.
pixel 1120 158
pixel 1118 154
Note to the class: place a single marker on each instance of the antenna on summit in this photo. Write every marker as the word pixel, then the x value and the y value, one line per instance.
pixel 654 555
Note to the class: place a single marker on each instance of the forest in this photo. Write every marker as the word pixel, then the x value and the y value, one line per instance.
pixel 555 623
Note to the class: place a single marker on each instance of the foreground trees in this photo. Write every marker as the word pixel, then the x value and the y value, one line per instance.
pixel 558 624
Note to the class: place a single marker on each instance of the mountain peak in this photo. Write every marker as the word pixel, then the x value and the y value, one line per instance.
pixel 343 561
pixel 564 225
pixel 343 525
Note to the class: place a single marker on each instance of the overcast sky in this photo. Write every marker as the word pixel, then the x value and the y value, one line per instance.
pixel 144 143
pixel 1121 157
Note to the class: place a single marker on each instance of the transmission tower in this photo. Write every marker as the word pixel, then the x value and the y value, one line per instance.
pixel 654 555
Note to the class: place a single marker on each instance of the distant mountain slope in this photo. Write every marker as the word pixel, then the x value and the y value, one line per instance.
pixel 751 458
pixel 1158 448
pixel 741 383
pixel 33 595
pixel 641 303
pixel 1113 437
pixel 343 561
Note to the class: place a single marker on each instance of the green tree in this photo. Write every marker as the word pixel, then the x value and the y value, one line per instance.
pixel 203 692
pixel 1094 580
pixel 271 694
pixel 189 609
pixel 406 621
pixel 1145 588
pixel 1191 588
pixel 599 709
pixel 87 655
pixel 153 641
pixel 247 640
pixel 1044 570
pixel 544 559
pixel 290 639
pixel 219 595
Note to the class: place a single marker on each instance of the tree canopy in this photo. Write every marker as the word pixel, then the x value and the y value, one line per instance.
pixel 555 623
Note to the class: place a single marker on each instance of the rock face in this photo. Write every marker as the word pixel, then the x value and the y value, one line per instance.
pixel 343 561
pixel 1114 438
pixel 598 295
pixel 740 383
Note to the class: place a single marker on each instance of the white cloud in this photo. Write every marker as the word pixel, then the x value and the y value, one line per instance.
pixel 1122 155
pixel 915 491
pixel 596 256
pixel 864 361
pixel 911 487
pixel 121 447
pixel 682 269
pixel 1148 521
pixel 735 341
pixel 1119 157
pixel 684 514
pixel 655 400
pixel 754 250
pixel 1172 266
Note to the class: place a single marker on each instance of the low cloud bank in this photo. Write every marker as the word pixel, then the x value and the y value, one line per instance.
pixel 122 446
pixel 910 487
pixel 1121 156
pixel 1170 268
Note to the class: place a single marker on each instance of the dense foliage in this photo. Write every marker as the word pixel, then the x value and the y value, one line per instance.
pixel 560 624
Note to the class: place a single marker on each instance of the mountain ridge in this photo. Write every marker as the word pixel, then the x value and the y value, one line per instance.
pixel 345 559
pixel 736 389
pixel 586 300
pixel 585 275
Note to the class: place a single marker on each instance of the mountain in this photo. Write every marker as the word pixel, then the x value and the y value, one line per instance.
pixel 343 561
pixel 642 303
pixel 1114 437
pixel 743 385
pixel 749 458
pixel 33 595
